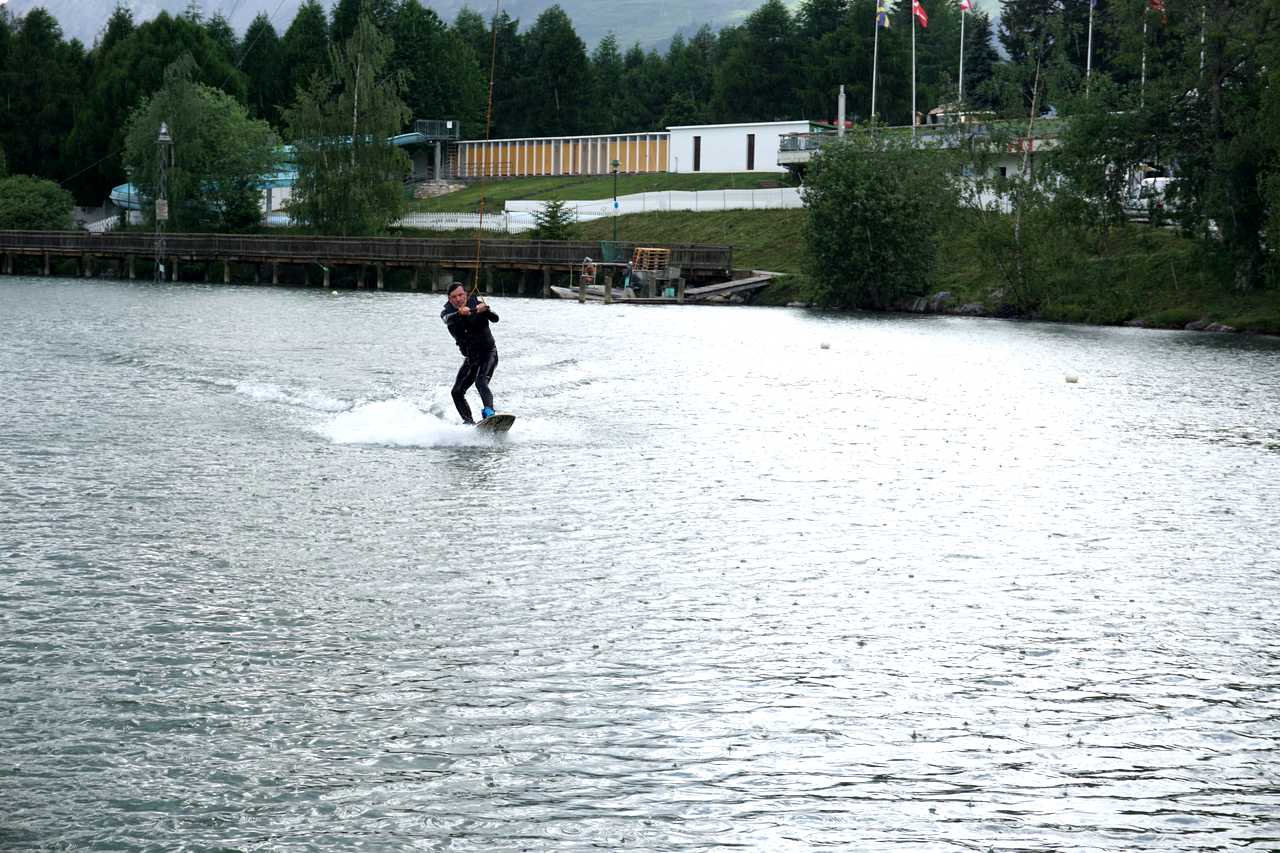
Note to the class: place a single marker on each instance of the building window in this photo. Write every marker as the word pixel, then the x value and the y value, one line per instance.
pixel 697 154
pixel 751 152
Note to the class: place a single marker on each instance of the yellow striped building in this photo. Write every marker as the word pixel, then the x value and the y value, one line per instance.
pixel 561 155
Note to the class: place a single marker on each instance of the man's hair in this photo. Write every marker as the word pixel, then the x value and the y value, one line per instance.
pixel 454 287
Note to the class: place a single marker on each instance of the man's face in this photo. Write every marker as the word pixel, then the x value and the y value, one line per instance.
pixel 458 297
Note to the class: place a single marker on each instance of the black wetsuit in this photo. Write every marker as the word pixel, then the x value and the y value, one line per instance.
pixel 479 353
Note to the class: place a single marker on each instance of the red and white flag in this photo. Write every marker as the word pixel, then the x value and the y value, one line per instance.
pixel 966 6
pixel 918 11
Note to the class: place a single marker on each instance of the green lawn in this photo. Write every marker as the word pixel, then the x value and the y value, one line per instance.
pixel 498 191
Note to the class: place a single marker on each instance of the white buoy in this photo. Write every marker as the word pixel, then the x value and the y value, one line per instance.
pixel 334 292
pixel 1072 379
pixel 825 345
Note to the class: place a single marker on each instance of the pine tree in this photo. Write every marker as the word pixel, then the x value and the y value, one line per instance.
pixel 261 62
pixel 45 77
pixel 690 69
pixel 444 75
pixel 223 36
pixel 305 47
pixel 502 61
pixel 555 82
pixel 346 14
pixel 607 110
pixel 645 82
pixel 754 81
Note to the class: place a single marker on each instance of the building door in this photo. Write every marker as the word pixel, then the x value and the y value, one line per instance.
pixel 697 154
pixel 751 152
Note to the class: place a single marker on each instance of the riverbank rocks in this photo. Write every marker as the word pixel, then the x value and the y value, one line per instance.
pixel 936 304
pixel 1208 326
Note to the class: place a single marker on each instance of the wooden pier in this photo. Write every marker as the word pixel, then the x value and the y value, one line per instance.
pixel 421 263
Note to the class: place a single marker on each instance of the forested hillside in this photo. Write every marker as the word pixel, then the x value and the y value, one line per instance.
pixel 66 105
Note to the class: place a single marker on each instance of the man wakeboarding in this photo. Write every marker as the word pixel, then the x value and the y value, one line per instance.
pixel 468 317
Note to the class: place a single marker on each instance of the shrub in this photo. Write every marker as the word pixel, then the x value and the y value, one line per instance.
pixel 873 210
pixel 34 204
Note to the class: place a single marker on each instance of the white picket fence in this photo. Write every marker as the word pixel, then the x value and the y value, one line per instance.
pixel 518 215
pixel 697 200
pixel 502 223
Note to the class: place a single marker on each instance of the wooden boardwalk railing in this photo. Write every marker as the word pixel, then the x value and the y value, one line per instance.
pixel 698 262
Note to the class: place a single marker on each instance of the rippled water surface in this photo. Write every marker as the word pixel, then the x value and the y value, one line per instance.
pixel 738 579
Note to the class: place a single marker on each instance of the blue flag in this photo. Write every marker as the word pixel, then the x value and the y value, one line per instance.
pixel 882 14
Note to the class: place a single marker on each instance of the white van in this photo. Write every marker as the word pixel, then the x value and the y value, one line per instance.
pixel 1150 200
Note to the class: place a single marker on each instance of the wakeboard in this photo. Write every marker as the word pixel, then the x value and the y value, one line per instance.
pixel 498 422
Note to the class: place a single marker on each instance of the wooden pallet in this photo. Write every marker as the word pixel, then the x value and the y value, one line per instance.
pixel 650 260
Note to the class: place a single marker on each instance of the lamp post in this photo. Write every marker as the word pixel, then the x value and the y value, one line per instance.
pixel 130 200
pixel 164 145
pixel 614 168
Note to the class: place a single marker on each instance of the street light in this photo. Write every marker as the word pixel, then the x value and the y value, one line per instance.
pixel 614 167
pixel 164 145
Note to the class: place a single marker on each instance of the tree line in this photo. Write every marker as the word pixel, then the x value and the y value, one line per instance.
pixel 64 107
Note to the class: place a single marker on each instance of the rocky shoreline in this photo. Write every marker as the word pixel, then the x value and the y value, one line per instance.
pixel 944 302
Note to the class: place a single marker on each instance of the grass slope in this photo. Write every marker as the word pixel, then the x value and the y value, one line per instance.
pixel 498 192
pixel 1152 275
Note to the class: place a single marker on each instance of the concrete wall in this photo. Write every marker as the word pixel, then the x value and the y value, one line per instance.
pixel 724 146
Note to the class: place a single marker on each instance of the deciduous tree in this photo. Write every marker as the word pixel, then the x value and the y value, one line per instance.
pixel 124 73
pixel 219 156
pixel 349 174
pixel 873 207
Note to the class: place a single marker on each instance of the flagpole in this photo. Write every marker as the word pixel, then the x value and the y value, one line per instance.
pixel 913 75
pixel 960 99
pixel 1202 15
pixel 1088 58
pixel 1142 86
pixel 875 61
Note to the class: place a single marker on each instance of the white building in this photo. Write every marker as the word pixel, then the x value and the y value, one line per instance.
pixel 749 147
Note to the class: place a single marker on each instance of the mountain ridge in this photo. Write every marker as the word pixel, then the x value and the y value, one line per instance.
pixel 650 23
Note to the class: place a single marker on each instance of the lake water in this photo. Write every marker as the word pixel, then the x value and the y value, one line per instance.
pixel 739 578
